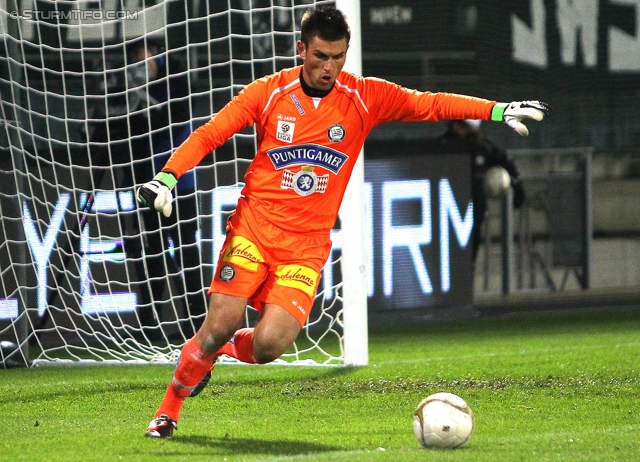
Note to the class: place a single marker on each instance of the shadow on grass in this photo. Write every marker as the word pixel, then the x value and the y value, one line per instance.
pixel 229 445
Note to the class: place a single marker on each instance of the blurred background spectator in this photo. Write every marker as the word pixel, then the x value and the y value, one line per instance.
pixel 466 136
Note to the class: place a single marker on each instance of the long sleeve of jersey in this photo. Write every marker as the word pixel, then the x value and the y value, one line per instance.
pixel 389 102
pixel 241 112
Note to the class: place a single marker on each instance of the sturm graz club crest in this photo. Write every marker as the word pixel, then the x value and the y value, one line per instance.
pixel 304 182
pixel 227 273
pixel 336 133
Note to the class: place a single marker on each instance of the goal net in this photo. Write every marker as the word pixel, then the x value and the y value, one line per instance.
pixel 95 95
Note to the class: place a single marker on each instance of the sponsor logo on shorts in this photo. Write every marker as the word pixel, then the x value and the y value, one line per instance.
pixel 284 131
pixel 298 277
pixel 227 273
pixel 336 133
pixel 305 182
pixel 307 154
pixel 243 252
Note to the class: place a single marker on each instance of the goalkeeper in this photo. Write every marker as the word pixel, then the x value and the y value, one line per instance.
pixel 311 123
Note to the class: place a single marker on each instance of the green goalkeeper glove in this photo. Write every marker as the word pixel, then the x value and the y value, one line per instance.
pixel 513 113
pixel 156 194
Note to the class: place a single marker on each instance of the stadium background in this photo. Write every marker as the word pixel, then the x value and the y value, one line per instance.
pixel 567 55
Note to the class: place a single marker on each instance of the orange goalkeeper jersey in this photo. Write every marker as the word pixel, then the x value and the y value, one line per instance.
pixel 307 147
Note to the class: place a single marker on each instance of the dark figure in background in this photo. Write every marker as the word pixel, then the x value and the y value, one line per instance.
pixel 466 136
pixel 145 112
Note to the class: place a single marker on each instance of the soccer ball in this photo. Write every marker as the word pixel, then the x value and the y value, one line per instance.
pixel 443 420
pixel 496 181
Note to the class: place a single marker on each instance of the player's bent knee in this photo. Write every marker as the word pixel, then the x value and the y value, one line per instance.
pixel 266 349
pixel 212 336
pixel 264 356
pixel 274 333
pixel 225 316
pixel 211 342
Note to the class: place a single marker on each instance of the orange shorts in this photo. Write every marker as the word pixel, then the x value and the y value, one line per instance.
pixel 265 264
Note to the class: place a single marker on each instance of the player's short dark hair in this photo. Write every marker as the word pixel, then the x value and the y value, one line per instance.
pixel 325 22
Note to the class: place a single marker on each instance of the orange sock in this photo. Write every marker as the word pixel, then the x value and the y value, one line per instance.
pixel 240 346
pixel 192 365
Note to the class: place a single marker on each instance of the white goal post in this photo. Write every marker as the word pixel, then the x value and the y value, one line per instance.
pixel 352 217
pixel 93 98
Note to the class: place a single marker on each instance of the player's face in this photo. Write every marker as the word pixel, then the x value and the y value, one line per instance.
pixel 323 61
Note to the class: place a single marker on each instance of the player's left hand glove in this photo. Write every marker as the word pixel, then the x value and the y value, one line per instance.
pixel 157 193
pixel 513 113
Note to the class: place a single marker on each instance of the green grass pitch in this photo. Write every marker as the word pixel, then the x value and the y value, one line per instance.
pixel 560 387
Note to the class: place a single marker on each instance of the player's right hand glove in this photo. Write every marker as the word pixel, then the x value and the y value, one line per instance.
pixel 513 113
pixel 157 193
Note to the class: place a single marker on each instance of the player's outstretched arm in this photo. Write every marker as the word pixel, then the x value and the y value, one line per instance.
pixel 156 193
pixel 513 113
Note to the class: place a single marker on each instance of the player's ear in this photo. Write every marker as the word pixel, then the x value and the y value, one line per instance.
pixel 302 50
